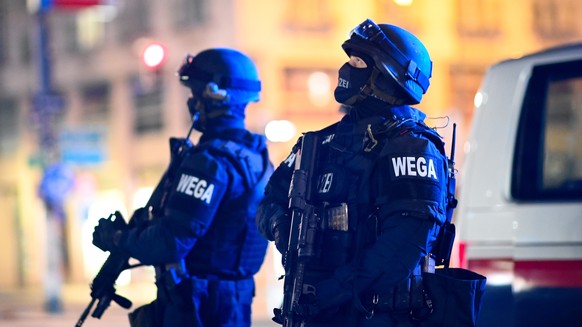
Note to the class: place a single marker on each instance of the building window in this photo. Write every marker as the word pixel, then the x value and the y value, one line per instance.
pixel 548 152
pixel 465 80
pixel 134 19
pixel 9 126
pixel 148 103
pixel 90 28
pixel 556 19
pixel 96 102
pixel 83 29
pixel 309 88
pixel 399 13
pixel 4 35
pixel 68 28
pixel 25 50
pixel 479 18
pixel 189 12
pixel 308 15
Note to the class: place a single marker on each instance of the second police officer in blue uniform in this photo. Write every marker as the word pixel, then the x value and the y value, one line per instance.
pixel 379 188
pixel 198 229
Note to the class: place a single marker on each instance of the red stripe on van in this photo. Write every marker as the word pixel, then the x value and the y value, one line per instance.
pixel 541 273
pixel 550 273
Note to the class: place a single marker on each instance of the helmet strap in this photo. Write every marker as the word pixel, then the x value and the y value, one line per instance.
pixel 371 89
pixel 219 112
pixel 197 110
pixel 365 91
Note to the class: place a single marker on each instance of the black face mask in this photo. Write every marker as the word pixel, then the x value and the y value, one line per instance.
pixel 350 82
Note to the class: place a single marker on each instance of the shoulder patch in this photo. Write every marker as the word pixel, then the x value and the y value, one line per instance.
pixel 416 166
pixel 195 187
pixel 290 160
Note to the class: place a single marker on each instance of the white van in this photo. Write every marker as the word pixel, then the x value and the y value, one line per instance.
pixel 519 220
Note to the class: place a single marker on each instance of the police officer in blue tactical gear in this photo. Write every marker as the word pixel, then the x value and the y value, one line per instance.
pixel 378 187
pixel 198 229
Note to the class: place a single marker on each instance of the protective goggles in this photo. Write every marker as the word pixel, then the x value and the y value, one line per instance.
pixel 369 31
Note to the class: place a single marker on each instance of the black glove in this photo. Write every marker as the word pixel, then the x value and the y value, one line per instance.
pixel 307 311
pixel 330 294
pixel 106 235
pixel 140 217
pixel 281 229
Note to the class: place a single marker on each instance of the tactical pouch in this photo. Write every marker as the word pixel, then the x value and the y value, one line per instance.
pixel 444 244
pixel 419 307
pixel 456 296
pixel 402 296
pixel 337 248
pixel 337 237
pixel 145 316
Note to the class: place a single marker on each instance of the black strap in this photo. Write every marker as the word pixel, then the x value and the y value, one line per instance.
pixel 242 159
pixel 237 155
pixel 225 81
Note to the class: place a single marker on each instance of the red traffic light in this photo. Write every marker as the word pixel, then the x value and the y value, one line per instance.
pixel 154 55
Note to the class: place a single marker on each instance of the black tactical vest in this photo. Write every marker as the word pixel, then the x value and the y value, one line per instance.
pixel 346 159
pixel 232 248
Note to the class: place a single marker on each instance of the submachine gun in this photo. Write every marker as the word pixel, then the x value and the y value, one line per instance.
pixel 302 233
pixel 103 285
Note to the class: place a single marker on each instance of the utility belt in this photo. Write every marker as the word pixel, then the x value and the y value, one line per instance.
pixel 171 274
pixel 409 297
pixel 176 285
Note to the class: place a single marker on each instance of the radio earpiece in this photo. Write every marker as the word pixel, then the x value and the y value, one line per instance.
pixel 213 92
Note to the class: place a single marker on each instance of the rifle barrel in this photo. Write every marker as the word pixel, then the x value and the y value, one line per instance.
pixel 85 313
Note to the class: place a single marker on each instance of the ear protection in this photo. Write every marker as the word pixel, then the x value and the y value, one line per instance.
pixel 212 91
pixel 197 112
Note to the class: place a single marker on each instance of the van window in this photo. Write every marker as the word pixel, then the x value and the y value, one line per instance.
pixel 548 155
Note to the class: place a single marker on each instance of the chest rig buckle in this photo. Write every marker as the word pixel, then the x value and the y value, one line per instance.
pixel 370 141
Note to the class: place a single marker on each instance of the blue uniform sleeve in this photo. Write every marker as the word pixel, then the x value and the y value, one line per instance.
pixel 403 241
pixel 192 200
pixel 413 175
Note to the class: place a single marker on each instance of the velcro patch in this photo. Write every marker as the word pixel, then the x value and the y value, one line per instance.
pixel 425 167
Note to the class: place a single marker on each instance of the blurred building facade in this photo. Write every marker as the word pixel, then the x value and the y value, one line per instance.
pixel 117 115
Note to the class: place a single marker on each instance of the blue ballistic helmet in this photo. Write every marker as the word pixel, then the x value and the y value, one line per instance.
pixel 402 65
pixel 222 76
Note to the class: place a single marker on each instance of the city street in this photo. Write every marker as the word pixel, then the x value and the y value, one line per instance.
pixel 25 309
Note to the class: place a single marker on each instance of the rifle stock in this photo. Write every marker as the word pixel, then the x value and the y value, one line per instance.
pixel 303 226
